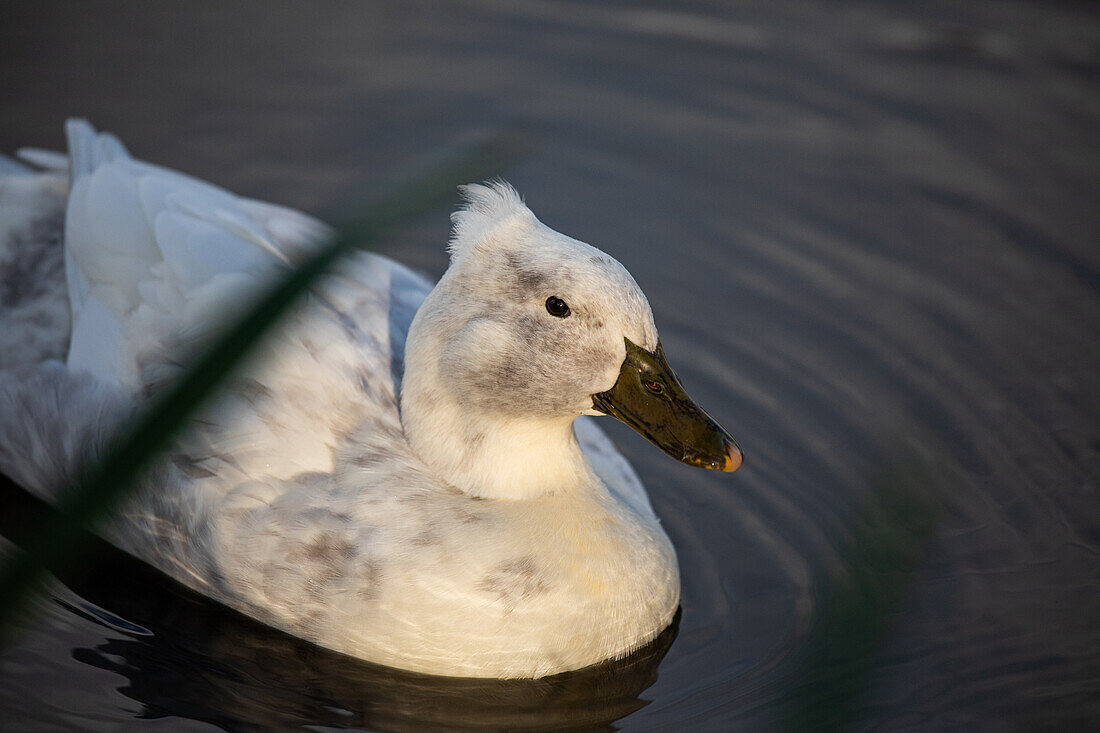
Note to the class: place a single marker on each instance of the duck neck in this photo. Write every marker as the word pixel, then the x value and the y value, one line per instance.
pixel 501 460
pixel 487 454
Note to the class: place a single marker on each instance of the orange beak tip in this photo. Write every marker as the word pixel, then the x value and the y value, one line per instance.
pixel 734 458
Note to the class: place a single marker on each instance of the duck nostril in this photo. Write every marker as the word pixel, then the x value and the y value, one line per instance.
pixel 653 386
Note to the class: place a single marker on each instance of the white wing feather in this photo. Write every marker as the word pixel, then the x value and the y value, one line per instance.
pixel 143 240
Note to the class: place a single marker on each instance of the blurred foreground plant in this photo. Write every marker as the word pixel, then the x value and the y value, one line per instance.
pixel 55 540
pixel 885 547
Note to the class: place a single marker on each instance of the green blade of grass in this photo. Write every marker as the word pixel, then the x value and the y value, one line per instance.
pixel 55 541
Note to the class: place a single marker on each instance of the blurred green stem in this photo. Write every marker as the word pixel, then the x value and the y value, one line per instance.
pixel 886 546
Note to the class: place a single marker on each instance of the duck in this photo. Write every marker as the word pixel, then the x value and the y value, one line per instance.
pixel 406 473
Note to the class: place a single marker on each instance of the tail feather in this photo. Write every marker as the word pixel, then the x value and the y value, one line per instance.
pixel 89 149
pixel 49 160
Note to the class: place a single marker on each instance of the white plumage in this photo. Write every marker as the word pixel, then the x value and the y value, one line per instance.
pixel 480 530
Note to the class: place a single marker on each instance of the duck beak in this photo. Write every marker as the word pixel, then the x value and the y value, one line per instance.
pixel 650 398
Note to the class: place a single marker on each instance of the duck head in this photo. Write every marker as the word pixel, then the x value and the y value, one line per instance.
pixel 527 330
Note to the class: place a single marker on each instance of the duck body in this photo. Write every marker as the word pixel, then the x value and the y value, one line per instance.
pixel 466 523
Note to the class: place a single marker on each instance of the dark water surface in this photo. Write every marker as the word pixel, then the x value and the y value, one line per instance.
pixel 870 235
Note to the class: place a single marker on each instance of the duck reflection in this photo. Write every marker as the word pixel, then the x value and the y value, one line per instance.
pixel 184 655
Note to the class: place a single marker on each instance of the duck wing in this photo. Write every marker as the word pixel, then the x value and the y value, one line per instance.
pixel 147 248
pixel 155 262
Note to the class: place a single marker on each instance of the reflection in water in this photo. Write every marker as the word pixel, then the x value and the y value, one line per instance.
pixel 183 655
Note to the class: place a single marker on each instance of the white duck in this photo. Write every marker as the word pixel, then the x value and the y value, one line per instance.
pixel 479 529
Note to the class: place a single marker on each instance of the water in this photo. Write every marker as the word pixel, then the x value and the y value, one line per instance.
pixel 869 236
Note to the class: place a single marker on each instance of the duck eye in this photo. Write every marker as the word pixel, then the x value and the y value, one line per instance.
pixel 555 306
pixel 653 386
